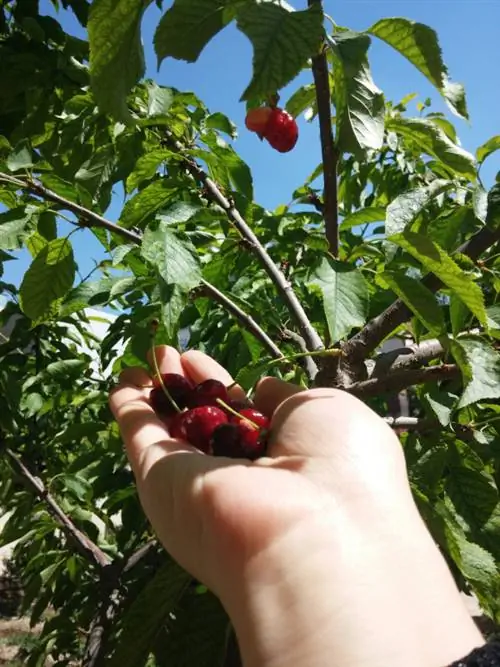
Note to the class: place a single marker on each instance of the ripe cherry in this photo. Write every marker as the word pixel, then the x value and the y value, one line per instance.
pixel 281 130
pixel 253 441
pixel 178 387
pixel 253 416
pixel 207 393
pixel 256 120
pixel 200 423
pixel 226 441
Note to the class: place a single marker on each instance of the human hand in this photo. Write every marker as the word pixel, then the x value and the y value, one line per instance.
pixel 317 551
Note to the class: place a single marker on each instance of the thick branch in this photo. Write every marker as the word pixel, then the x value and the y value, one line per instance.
pixel 328 149
pixel 398 380
pixel 366 341
pixel 282 285
pixel 83 544
pixel 412 356
pixel 93 220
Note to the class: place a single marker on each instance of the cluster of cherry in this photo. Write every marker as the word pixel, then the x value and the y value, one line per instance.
pixel 208 419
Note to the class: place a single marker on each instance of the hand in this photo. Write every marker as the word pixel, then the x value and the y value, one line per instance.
pixel 317 551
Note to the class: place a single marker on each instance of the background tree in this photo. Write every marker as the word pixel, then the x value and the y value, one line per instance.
pixel 393 235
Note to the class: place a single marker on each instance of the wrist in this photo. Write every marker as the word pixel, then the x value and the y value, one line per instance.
pixel 380 595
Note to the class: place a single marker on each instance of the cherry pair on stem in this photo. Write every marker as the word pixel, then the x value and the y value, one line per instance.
pixel 317 550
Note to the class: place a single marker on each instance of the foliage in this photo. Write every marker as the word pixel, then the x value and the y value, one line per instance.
pixel 418 260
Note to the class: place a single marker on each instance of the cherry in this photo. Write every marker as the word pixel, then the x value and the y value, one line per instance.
pixel 254 416
pixel 226 441
pixel 207 393
pixel 178 387
pixel 281 130
pixel 256 120
pixel 253 441
pixel 177 428
pixel 199 424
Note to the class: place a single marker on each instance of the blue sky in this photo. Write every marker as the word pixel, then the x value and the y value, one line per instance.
pixel 468 31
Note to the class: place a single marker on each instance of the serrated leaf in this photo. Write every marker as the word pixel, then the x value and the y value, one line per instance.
pixel 116 53
pixel 282 43
pixel 303 98
pixel 493 206
pixel 363 216
pixel 406 208
pixel 20 157
pixel 16 225
pixel 345 296
pixel 419 44
pixel 179 213
pixel 432 140
pixel 488 148
pixel 173 303
pixel 219 121
pixel 420 300
pixel 436 260
pixel 36 243
pixel 187 27
pixel 160 100
pixel 147 166
pixel 359 103
pixel 49 277
pixel 60 186
pixel 173 258
pixel 484 368
pixel 149 611
pixel 145 203
pixel 446 228
pixel 197 636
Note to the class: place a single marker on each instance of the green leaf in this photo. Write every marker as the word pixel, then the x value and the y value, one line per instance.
pixel 149 611
pixel 420 300
pixel 363 216
pixel 484 367
pixel 406 208
pixel 16 225
pixel 282 43
pixel 359 103
pixel 179 213
pixel 187 27
pixel 49 277
pixel 160 100
pixel 303 98
pixel 173 304
pixel 488 148
pixel 345 296
pixel 116 53
pixel 198 636
pixel 493 207
pixel 447 228
pixel 20 157
pixel 218 121
pixel 147 166
pixel 173 258
pixel 419 44
pixel 432 140
pixel 436 260
pixel 143 205
pixel 60 186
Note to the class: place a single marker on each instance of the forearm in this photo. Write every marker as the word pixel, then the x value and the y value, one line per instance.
pixel 299 609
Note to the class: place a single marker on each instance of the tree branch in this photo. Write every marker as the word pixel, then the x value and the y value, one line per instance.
pixel 398 380
pixel 328 149
pixel 409 422
pixel 94 220
pixel 282 285
pixel 83 544
pixel 309 363
pixel 366 341
pixel 411 356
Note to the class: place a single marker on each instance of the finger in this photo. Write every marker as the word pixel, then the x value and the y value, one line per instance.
pixel 167 358
pixel 271 392
pixel 137 377
pixel 199 367
pixel 146 437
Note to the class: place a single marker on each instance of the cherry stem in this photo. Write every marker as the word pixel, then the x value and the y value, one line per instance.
pixel 236 413
pixel 160 379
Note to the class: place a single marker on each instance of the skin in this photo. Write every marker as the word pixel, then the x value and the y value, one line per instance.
pixel 317 552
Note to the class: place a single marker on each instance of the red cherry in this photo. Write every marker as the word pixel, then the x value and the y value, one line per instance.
pixel 178 387
pixel 199 424
pixel 281 130
pixel 226 441
pixel 253 441
pixel 207 393
pixel 256 120
pixel 254 416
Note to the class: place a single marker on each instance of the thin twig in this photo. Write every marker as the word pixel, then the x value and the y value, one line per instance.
pixel 247 320
pixel 329 151
pixel 83 544
pixel 283 286
pixel 93 220
pixel 367 340
pixel 398 380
